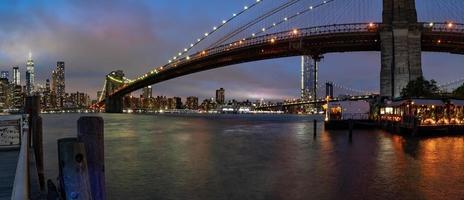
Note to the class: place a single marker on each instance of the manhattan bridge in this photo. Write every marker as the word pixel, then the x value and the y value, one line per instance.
pixel 267 29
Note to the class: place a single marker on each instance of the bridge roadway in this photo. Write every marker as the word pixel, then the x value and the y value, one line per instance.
pixel 436 37
pixel 320 101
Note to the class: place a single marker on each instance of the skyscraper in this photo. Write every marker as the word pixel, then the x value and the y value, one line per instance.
pixel 308 78
pixel 147 92
pixel 5 74
pixel 220 96
pixel 30 75
pixel 192 103
pixel 16 76
pixel 60 82
pixel 53 87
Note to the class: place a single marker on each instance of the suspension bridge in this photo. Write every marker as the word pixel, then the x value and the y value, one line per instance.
pixel 284 28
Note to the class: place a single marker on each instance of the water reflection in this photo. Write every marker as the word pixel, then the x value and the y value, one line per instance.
pixel 264 157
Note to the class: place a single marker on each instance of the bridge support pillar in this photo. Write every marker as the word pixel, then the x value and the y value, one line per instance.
pixel 114 105
pixel 400 38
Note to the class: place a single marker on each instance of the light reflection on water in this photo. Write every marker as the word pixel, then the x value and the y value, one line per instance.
pixel 264 157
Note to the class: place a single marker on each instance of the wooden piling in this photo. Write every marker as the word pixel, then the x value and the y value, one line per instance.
pixel 314 128
pixel 91 134
pixel 38 149
pixel 32 108
pixel 350 127
pixel 74 176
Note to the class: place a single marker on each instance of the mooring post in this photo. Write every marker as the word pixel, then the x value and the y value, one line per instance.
pixel 38 150
pixel 32 108
pixel 74 176
pixel 350 127
pixel 91 134
pixel 315 128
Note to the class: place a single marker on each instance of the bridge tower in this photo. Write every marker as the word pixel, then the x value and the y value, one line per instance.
pixel 400 38
pixel 114 80
pixel 329 90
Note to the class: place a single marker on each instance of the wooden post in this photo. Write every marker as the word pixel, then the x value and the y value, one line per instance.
pixel 36 135
pixel 91 134
pixel 74 176
pixel 350 124
pixel 38 149
pixel 314 128
pixel 52 193
pixel 32 108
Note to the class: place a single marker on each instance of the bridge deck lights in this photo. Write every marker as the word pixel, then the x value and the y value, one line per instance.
pixel 273 40
pixel 450 25
pixel 295 31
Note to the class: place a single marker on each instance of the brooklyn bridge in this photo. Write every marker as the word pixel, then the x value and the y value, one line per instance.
pixel 302 28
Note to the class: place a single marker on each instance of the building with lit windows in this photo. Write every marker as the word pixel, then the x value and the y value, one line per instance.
pixel 60 82
pixel 192 103
pixel 30 76
pixel 220 96
pixel 16 76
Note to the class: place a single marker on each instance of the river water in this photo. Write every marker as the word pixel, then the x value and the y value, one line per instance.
pixel 263 157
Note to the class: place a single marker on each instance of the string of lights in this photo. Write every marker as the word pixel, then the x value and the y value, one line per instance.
pixel 215 29
pixel 286 19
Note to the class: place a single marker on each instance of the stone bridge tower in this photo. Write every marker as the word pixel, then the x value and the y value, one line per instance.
pixel 400 37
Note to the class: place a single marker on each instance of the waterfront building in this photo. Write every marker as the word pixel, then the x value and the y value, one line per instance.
pixel 424 115
pixel 220 96
pixel 30 76
pixel 208 105
pixel 192 103
pixel 16 76
pixel 17 97
pixel 178 103
pixel 60 82
pixel 4 94
pixel 80 100
pixel 171 104
pixel 161 103
pixel 5 75
pixel 147 92
pixel 46 95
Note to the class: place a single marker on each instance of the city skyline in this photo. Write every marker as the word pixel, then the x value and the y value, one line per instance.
pixel 93 49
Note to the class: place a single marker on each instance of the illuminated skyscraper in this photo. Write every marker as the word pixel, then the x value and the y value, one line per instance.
pixel 147 92
pixel 220 96
pixel 5 75
pixel 308 78
pixel 16 76
pixel 60 82
pixel 30 75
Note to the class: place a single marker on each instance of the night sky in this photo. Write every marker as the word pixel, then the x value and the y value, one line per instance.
pixel 96 37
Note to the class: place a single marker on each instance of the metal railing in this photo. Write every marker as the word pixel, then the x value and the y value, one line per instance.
pixel 444 27
pixel 21 189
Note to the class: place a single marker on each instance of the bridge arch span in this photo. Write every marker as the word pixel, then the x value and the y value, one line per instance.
pixel 312 41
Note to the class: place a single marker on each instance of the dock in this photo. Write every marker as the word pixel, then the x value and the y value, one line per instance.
pixel 8 160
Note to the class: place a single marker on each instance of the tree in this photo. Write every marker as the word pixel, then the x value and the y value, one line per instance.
pixel 421 88
pixel 459 92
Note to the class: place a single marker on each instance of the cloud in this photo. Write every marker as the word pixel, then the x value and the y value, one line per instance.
pixel 96 37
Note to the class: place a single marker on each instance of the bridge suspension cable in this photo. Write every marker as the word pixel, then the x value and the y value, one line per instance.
pixel 215 29
pixel 451 83
pixel 253 22
pixel 103 92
